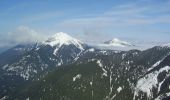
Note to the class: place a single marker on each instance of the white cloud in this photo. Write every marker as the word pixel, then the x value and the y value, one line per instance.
pixel 21 35
pixel 26 34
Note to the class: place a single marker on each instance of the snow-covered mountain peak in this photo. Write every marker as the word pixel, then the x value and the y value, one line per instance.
pixel 117 42
pixel 61 38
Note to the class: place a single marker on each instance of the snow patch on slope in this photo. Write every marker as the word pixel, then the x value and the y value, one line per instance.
pixel 147 83
pixel 78 76
pixel 156 64
pixel 102 67
pixel 119 89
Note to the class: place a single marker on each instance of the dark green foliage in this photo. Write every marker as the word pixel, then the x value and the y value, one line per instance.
pixel 60 85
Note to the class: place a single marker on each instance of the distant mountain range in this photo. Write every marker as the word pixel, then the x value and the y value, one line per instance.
pixel 64 68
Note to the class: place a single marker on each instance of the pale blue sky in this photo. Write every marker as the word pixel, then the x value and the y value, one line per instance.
pixel 89 20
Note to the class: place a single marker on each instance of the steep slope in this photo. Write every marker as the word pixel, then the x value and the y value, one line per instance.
pixel 155 83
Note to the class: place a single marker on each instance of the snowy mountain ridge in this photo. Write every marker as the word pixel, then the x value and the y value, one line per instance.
pixel 62 38
pixel 117 42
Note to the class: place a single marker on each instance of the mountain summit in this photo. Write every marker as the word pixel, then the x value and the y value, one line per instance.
pixel 117 42
pixel 61 38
